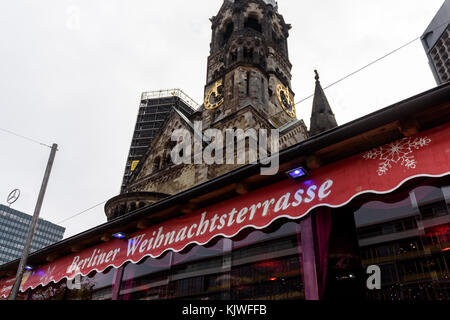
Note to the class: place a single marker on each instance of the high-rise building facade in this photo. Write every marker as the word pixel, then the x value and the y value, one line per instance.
pixel 436 41
pixel 14 227
pixel 154 108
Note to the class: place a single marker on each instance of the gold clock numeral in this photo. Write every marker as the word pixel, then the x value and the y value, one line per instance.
pixel 286 100
pixel 214 98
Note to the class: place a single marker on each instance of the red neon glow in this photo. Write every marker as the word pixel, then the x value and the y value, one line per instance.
pixel 273 279
pixel 446 249
pixel 439 231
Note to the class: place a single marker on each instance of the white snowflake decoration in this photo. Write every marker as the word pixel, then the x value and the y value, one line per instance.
pixel 46 277
pixel 398 152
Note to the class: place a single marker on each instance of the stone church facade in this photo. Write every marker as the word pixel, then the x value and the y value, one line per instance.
pixel 248 86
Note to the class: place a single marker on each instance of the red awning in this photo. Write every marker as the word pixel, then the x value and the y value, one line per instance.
pixel 380 171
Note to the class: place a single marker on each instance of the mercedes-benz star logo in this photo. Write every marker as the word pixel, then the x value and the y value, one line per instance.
pixel 13 196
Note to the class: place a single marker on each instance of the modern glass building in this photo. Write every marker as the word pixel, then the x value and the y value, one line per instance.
pixel 14 226
pixel 436 41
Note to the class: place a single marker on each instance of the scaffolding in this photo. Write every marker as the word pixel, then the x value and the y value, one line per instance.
pixel 171 93
pixel 153 111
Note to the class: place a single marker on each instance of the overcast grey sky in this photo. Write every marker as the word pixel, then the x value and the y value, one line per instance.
pixel 80 87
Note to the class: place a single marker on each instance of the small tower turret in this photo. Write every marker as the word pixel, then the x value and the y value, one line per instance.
pixel 322 117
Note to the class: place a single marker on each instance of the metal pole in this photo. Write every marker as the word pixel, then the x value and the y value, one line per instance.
pixel 37 210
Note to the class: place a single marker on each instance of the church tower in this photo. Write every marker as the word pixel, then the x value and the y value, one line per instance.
pixel 248 87
pixel 248 67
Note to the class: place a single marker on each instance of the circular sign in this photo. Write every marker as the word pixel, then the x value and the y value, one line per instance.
pixel 13 196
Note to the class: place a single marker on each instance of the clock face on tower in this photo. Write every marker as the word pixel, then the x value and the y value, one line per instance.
pixel 286 100
pixel 214 98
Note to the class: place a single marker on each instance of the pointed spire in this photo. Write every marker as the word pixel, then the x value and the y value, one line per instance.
pixel 322 117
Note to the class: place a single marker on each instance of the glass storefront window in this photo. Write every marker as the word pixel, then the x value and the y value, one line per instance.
pixel 263 264
pixel 199 272
pixel 255 264
pixel 96 286
pixel 409 239
pixel 49 292
pixel 146 280
pixel 266 265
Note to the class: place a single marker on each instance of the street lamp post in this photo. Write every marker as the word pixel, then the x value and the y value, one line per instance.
pixel 37 210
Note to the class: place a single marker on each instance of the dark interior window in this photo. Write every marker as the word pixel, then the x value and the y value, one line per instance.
pixel 408 237
pixel 228 32
pixel 253 23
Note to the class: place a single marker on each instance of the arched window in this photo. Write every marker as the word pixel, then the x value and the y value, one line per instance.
pixel 156 164
pixel 248 53
pixel 233 55
pixel 228 32
pixel 168 160
pixel 253 23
